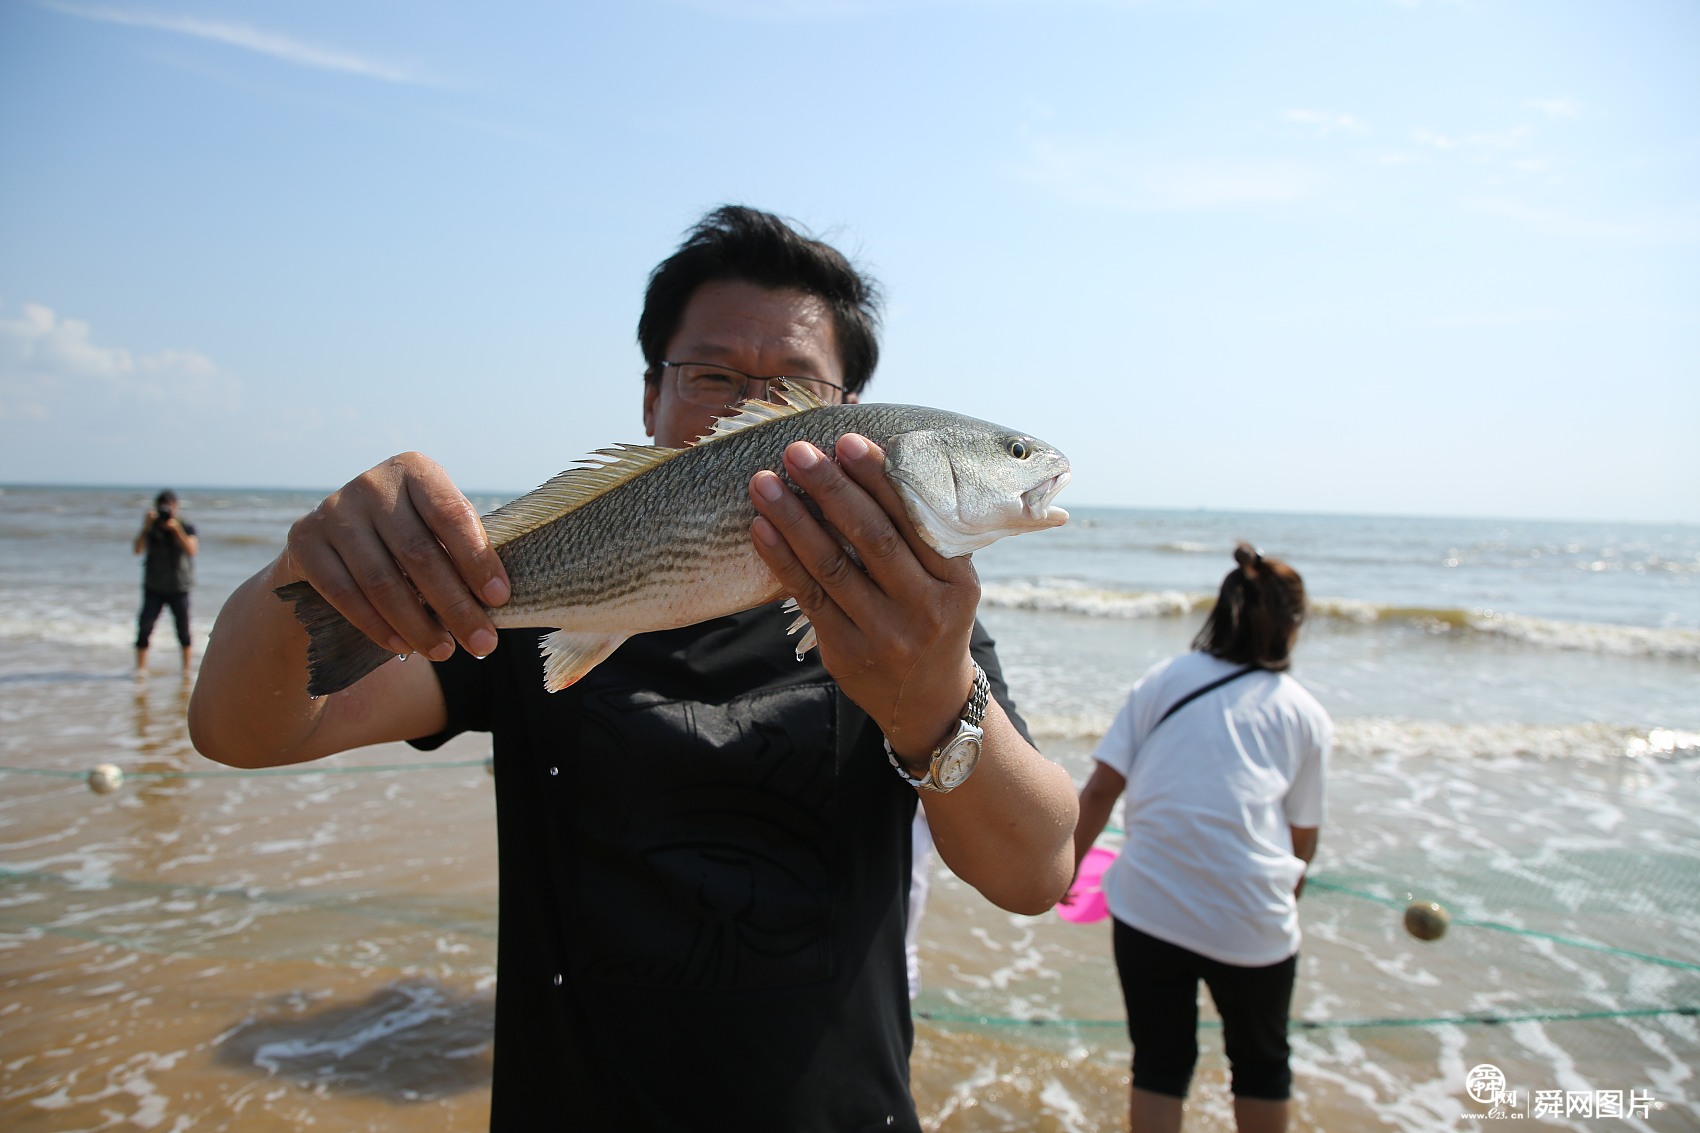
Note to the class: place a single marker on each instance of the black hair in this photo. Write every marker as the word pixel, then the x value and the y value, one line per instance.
pixel 166 496
pixel 1257 613
pixel 750 246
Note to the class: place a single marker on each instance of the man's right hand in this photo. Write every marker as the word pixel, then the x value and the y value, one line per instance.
pixel 390 542
pixel 401 553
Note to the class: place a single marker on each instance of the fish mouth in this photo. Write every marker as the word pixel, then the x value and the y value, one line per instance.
pixel 1036 502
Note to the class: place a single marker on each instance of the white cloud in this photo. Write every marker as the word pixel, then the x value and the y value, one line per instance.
pixel 273 44
pixel 52 368
pixel 1557 107
pixel 1505 148
pixel 1110 175
pixel 811 10
pixel 1502 141
pixel 1677 227
pixel 1323 123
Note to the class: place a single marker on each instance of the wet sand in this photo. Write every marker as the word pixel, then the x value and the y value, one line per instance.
pixel 213 950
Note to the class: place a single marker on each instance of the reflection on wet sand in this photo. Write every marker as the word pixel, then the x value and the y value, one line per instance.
pixel 411 1041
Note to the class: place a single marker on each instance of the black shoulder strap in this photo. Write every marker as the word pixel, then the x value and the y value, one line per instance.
pixel 1198 692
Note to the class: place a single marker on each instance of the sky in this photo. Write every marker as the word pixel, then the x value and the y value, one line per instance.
pixel 1432 257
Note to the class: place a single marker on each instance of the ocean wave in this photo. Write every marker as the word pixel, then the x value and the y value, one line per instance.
pixel 1620 641
pixel 1068 597
pixel 1368 737
pixel 72 630
pixel 1092 601
pixel 247 539
pixel 1543 633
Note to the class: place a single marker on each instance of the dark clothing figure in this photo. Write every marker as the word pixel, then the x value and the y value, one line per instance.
pixel 169 568
pixel 168 573
pixel 153 602
pixel 703 849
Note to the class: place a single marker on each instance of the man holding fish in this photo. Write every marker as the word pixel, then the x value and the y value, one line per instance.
pixel 704 832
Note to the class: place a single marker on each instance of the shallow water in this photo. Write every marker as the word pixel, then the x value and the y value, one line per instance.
pixel 208 949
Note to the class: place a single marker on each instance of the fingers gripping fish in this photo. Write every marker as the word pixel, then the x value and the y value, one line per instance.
pixel 639 537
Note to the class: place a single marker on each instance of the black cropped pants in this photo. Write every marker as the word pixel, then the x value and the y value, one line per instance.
pixel 152 603
pixel 1160 987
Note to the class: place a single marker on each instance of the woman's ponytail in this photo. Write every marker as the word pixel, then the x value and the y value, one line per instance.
pixel 1257 613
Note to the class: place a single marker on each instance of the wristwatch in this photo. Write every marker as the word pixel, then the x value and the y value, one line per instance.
pixel 953 761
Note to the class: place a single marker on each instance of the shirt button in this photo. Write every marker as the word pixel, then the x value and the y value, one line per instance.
pixel 557 979
pixel 554 770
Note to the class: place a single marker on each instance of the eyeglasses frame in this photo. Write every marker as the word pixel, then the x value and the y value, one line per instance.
pixel 843 394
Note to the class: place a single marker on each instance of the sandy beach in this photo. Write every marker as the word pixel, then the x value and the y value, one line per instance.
pixel 207 949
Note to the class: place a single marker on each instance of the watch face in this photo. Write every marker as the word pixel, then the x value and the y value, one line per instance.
pixel 958 758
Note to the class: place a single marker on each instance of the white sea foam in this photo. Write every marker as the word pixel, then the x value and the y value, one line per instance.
pixel 71 629
pixel 1371 737
pixel 1059 597
pixel 1617 641
pixel 1665 742
pixel 1062 596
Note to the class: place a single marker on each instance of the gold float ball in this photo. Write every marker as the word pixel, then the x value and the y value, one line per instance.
pixel 1426 920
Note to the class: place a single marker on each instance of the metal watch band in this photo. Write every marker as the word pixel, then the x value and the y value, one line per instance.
pixel 974 712
pixel 973 715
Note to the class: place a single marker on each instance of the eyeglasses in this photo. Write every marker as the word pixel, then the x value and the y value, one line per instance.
pixel 703 384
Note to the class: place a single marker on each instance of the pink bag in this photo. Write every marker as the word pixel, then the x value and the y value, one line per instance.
pixel 1085 900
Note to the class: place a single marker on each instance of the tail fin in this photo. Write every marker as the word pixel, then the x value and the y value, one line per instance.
pixel 337 653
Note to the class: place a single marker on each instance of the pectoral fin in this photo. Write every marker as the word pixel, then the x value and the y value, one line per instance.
pixel 569 656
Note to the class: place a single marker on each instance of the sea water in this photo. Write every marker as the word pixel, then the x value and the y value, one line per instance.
pixel 1518 739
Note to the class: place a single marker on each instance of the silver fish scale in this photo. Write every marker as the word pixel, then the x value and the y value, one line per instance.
pixel 680 523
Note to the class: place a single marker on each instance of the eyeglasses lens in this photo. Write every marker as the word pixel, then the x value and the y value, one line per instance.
pixel 704 385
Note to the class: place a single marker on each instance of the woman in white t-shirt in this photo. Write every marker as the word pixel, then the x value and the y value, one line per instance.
pixel 1223 807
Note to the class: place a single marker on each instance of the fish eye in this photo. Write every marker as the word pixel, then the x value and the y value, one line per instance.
pixel 1019 448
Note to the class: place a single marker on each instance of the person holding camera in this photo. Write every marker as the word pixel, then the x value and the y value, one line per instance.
pixel 167 573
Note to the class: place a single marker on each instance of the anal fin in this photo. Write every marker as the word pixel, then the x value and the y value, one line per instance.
pixel 569 656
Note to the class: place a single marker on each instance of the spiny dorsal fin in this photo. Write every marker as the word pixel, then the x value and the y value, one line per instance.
pixel 574 488
pixel 591 477
pixel 792 401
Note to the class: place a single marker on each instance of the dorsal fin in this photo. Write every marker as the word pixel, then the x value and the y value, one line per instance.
pixel 792 400
pixel 593 477
pixel 574 488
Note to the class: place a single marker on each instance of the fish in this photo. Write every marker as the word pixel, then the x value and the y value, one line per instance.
pixel 636 538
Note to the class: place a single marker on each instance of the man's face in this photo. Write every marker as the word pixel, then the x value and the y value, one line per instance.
pixel 757 330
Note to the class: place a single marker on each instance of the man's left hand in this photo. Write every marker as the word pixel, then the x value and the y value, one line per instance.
pixel 893 631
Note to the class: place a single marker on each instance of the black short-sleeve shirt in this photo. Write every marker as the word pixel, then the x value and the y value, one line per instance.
pixel 168 568
pixel 705 864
